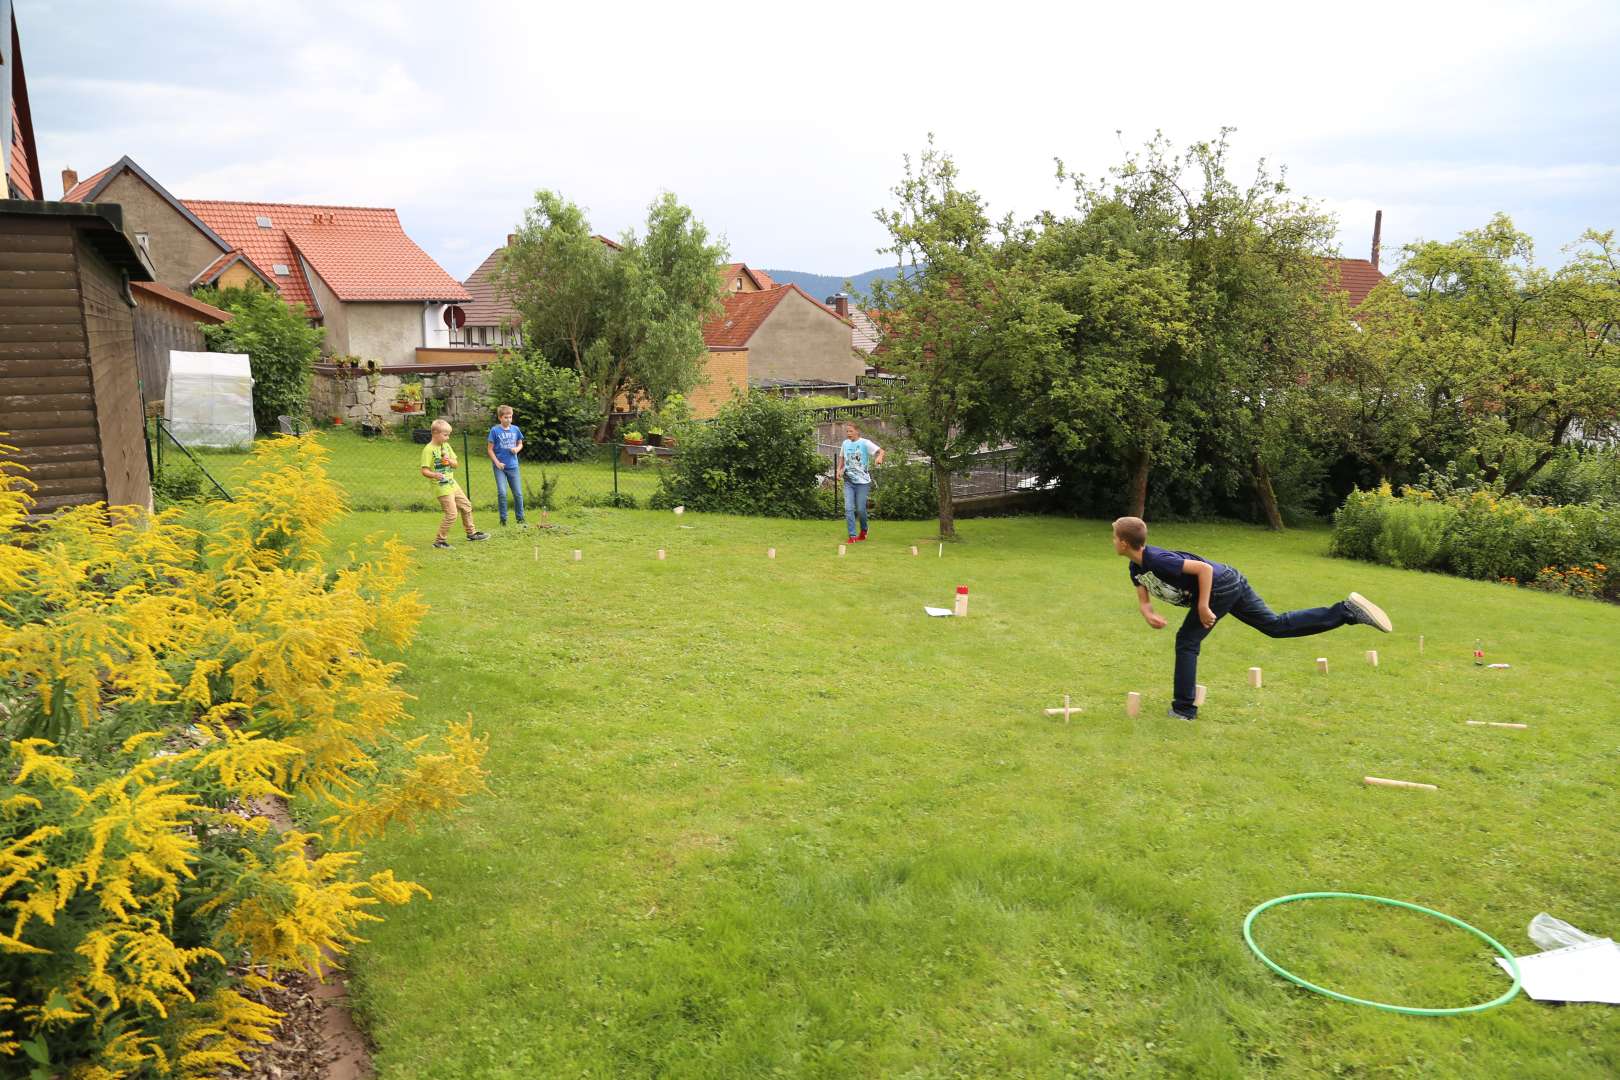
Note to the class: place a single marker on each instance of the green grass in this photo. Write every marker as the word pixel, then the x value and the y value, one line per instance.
pixel 382 473
pixel 756 818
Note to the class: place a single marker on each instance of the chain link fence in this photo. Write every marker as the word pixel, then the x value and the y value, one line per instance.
pixel 383 472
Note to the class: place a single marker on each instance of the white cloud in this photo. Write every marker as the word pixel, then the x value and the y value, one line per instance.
pixel 784 126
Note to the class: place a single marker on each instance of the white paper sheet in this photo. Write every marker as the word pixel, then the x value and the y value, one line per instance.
pixel 939 612
pixel 1589 972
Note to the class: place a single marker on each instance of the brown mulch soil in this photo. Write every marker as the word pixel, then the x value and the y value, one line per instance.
pixel 300 1051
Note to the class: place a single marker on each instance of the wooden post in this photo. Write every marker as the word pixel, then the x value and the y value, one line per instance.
pixel 1420 644
pixel 770 553
pixel 1493 723
pixel 660 554
pixel 1133 703
pixel 914 549
pixel 1372 657
pixel 578 554
pixel 840 551
pixel 942 550
pixel 1379 781
pixel 1199 693
pixel 1321 664
pixel 537 553
pixel 1254 677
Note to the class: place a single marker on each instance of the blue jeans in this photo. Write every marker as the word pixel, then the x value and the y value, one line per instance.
pixel 507 476
pixel 855 496
pixel 1231 594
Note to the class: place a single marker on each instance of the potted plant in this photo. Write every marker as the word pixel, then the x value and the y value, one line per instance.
pixel 634 438
pixel 409 399
pixel 655 436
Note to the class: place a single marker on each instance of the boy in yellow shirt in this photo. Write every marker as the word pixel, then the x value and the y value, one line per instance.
pixel 439 467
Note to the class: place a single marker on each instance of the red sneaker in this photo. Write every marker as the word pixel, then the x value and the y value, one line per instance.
pixel 862 536
pixel 852 540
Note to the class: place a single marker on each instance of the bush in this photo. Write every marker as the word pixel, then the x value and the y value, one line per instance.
pixel 903 492
pixel 280 344
pixel 178 481
pixel 160 685
pixel 1484 535
pixel 556 416
pixel 1412 534
pixel 758 456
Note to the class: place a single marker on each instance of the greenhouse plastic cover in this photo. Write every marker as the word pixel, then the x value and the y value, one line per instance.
pixel 209 399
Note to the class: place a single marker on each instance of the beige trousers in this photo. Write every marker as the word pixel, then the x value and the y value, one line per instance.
pixel 453 504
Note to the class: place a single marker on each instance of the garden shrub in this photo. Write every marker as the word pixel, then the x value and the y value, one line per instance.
pixel 177 482
pixel 904 491
pixel 1485 535
pixel 556 415
pixel 159 684
pixel 1412 534
pixel 280 344
pixel 757 456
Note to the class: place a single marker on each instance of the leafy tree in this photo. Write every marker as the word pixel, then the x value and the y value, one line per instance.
pixel 279 341
pixel 966 324
pixel 628 319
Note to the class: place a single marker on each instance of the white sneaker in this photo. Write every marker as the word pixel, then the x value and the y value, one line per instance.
pixel 1369 613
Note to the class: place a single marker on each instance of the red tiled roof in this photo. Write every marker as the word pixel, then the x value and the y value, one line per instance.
pixel 361 253
pixel 203 312
pixel 80 191
pixel 746 312
pixel 1357 277
pixel 19 175
pixel 764 279
pixel 729 271
pixel 226 260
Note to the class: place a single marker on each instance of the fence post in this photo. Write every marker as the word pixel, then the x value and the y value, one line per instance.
pixel 613 452
pixel 466 456
pixel 1004 476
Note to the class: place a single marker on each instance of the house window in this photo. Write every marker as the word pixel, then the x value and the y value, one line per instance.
pixel 282 270
pixel 263 222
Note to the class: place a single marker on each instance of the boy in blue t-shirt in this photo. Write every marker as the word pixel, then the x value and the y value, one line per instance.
pixel 505 444
pixel 856 459
pixel 1209 590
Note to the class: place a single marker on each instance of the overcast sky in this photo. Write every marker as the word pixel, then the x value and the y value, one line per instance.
pixel 783 125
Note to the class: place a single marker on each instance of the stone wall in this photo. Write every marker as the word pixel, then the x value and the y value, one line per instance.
pixel 360 398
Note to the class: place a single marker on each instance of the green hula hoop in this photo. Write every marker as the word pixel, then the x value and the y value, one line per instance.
pixel 1410 1010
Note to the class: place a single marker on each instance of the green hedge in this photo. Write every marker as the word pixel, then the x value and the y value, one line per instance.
pixel 1480 534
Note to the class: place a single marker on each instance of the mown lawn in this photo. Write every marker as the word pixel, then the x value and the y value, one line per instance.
pixel 383 473
pixel 764 818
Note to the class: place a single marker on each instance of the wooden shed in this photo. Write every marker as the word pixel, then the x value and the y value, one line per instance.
pixel 68 393
pixel 166 320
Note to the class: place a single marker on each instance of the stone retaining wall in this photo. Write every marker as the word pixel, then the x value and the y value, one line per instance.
pixel 361 398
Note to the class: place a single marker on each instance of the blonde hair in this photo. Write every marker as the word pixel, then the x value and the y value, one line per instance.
pixel 440 425
pixel 503 410
pixel 1132 530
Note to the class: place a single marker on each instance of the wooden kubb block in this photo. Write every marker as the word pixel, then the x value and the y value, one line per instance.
pixel 1254 677
pixel 1133 703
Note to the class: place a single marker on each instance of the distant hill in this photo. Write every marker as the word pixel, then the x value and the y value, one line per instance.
pixel 822 286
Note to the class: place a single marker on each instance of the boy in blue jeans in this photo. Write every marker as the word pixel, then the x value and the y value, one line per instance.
pixel 1209 590
pixel 856 459
pixel 505 444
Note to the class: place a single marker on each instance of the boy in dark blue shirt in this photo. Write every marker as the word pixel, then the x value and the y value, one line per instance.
pixel 1209 590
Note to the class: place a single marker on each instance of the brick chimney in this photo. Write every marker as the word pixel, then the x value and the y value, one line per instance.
pixel 70 179
pixel 511 238
pixel 840 304
pixel 1378 234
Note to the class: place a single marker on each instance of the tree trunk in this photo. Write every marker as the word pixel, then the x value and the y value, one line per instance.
pixel 1267 495
pixel 947 505
pixel 1137 495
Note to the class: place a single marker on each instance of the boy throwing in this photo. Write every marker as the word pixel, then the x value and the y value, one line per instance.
pixel 1209 590
pixel 439 467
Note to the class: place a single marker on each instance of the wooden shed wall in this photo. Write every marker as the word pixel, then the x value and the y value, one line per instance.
pixel 160 327
pixel 47 397
pixel 109 322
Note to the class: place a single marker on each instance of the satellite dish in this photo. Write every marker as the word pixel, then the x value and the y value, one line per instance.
pixel 454 317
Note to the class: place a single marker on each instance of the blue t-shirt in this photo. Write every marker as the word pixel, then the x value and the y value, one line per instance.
pixel 1161 575
pixel 858 454
pixel 505 440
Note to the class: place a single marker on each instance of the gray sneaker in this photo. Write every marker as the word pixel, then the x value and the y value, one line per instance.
pixel 1180 716
pixel 478 536
pixel 1368 613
